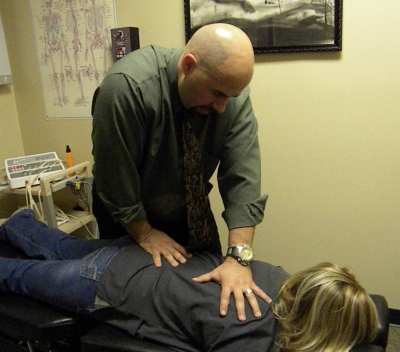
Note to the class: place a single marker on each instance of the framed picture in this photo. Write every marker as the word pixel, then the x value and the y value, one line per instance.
pixel 273 26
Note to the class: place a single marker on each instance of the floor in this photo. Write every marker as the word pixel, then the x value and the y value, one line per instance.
pixel 394 339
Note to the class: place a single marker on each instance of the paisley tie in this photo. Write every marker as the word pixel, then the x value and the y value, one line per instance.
pixel 202 227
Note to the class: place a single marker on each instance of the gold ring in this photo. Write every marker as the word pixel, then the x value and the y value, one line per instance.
pixel 248 291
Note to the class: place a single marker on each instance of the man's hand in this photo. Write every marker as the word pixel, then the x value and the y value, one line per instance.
pixel 157 243
pixel 235 279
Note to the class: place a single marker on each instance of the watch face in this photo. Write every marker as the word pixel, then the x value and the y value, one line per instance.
pixel 246 254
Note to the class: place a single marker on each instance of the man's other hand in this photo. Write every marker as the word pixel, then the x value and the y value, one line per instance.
pixel 237 280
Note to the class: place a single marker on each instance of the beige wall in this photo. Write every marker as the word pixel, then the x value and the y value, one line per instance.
pixel 329 133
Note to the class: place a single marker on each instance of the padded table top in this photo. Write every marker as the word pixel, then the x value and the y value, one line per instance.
pixel 108 339
pixel 29 318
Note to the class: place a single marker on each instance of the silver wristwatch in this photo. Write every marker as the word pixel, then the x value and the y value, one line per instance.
pixel 243 254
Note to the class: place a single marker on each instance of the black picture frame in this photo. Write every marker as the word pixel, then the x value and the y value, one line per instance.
pixel 273 26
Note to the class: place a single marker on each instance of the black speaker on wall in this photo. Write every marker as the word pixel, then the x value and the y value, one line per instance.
pixel 124 41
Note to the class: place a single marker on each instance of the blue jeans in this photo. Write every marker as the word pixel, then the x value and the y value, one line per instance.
pixel 63 271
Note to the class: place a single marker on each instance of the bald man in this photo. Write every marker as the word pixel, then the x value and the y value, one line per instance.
pixel 139 185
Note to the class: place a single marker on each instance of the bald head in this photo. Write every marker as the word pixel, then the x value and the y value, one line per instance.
pixel 219 58
pixel 224 47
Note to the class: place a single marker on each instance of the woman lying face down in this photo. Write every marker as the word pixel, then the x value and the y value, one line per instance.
pixel 322 308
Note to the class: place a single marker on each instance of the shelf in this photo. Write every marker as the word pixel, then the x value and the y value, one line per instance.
pixel 76 221
pixel 56 182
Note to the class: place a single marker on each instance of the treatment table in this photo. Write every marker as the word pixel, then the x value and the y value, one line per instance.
pixel 27 324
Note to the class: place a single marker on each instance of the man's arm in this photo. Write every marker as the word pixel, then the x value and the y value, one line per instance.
pixel 235 278
pixel 157 243
pixel 114 111
pixel 239 180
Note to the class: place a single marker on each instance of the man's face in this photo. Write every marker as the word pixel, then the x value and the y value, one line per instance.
pixel 205 92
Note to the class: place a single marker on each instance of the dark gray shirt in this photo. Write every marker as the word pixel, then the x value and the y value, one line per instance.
pixel 166 306
pixel 137 144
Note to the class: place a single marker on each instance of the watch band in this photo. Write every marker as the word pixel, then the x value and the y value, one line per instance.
pixel 233 252
pixel 236 252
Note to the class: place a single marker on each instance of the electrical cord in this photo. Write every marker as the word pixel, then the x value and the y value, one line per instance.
pixel 75 186
pixel 30 202
pixel 83 224
pixel 82 195
pixel 76 190
pixel 61 217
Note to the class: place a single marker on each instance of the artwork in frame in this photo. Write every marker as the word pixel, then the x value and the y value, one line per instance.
pixel 273 26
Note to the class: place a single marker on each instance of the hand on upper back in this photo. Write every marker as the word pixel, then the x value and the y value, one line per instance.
pixel 159 244
pixel 235 279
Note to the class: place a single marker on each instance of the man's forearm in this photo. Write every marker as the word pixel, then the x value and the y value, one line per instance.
pixel 241 236
pixel 138 229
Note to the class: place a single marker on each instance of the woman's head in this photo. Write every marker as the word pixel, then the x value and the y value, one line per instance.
pixel 324 308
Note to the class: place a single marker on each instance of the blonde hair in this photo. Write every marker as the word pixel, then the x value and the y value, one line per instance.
pixel 324 308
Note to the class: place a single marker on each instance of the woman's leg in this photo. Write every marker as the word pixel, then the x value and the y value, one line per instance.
pixel 68 284
pixel 39 241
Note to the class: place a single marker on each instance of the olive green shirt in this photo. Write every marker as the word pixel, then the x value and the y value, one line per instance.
pixel 137 144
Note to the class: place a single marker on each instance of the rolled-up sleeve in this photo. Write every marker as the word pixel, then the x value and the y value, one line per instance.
pixel 239 173
pixel 118 146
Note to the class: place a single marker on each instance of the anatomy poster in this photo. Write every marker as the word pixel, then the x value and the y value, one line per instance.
pixel 73 44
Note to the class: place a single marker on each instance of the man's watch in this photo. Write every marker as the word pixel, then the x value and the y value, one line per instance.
pixel 243 254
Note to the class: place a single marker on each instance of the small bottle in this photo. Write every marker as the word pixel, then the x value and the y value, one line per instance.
pixel 70 160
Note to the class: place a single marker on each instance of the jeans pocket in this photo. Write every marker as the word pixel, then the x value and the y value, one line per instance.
pixel 93 265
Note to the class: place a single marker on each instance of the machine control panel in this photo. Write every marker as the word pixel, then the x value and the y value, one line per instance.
pixel 24 169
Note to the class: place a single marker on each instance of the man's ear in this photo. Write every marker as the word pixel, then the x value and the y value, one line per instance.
pixel 188 64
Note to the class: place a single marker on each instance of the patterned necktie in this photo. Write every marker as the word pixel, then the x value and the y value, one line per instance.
pixel 203 230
